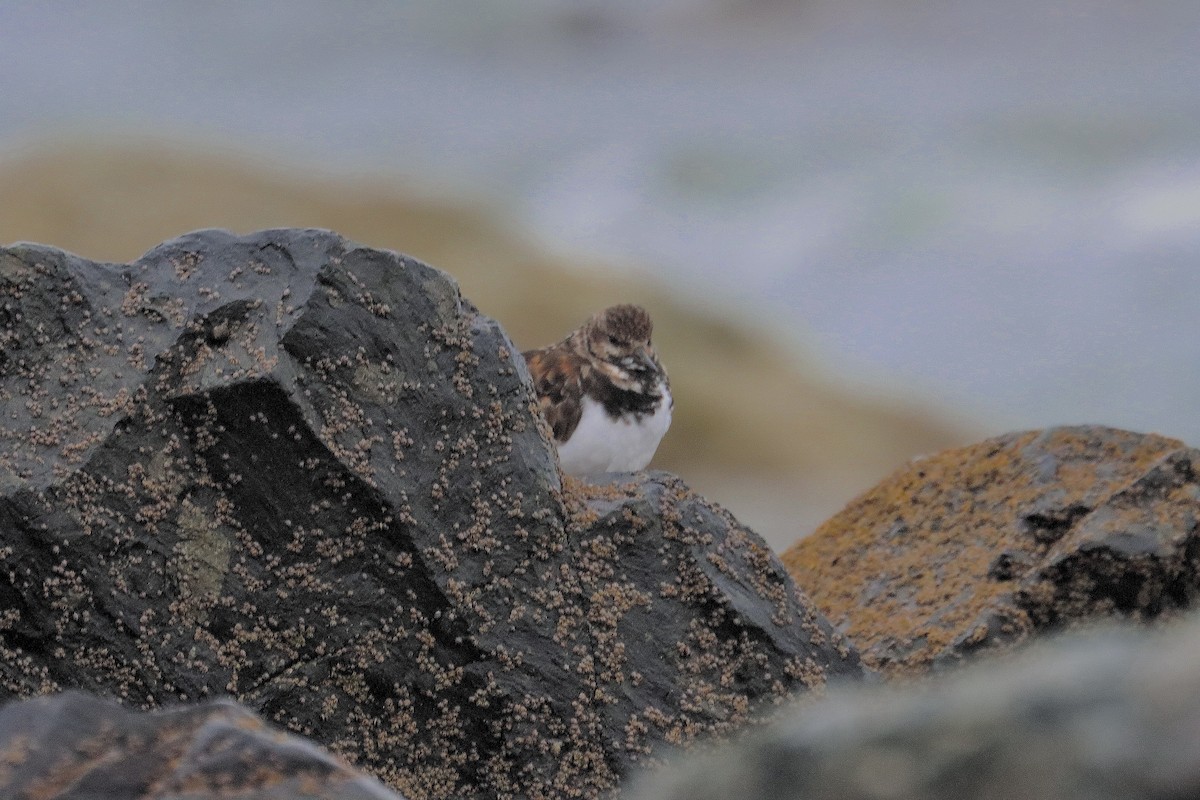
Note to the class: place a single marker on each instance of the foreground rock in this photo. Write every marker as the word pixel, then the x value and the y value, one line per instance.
pixel 1110 716
pixel 309 475
pixel 987 544
pixel 74 745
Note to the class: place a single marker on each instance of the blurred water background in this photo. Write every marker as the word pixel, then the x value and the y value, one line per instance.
pixel 989 210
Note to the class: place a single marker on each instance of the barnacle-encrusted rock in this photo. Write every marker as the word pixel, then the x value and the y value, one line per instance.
pixel 309 475
pixel 1106 715
pixel 986 544
pixel 74 745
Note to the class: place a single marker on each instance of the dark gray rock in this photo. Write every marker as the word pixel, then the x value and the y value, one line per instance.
pixel 73 745
pixel 309 475
pixel 1107 716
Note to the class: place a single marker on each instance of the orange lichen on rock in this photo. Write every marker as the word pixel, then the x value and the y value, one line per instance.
pixel 987 543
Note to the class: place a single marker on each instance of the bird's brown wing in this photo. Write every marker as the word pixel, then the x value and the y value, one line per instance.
pixel 558 381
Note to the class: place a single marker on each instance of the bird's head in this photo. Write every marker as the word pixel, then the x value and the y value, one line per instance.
pixel 620 335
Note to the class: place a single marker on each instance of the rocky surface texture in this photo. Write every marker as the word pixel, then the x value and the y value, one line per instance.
pixel 74 745
pixel 309 475
pixel 1107 716
pixel 986 544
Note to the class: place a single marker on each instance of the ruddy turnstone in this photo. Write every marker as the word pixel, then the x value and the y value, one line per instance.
pixel 606 397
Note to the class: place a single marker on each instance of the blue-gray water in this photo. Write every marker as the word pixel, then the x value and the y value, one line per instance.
pixel 995 204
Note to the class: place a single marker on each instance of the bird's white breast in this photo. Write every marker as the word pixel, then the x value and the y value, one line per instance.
pixel 601 443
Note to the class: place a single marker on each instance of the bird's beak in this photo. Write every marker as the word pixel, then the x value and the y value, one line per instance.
pixel 646 357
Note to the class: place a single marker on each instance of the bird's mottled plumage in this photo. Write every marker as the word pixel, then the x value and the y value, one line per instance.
pixel 604 393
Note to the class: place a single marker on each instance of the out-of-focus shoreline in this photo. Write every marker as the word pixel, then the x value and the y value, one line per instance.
pixel 759 427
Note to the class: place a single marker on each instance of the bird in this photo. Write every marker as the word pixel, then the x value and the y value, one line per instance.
pixel 604 393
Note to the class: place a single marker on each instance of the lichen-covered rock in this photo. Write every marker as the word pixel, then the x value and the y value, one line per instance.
pixel 986 544
pixel 74 745
pixel 309 475
pixel 1111 715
